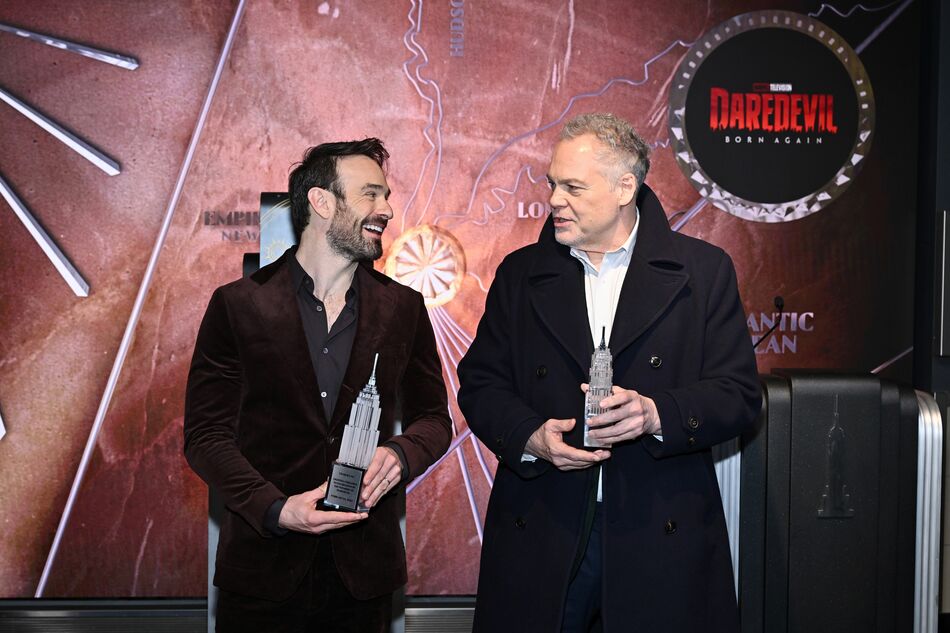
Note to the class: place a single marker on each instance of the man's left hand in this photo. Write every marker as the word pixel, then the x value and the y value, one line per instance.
pixel 383 473
pixel 629 416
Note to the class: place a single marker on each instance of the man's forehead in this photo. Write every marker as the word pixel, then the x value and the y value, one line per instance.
pixel 360 170
pixel 576 155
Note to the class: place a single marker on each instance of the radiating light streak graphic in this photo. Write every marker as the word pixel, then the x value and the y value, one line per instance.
pixel 129 63
pixel 570 104
pixel 481 460
pixel 449 362
pixel 883 25
pixel 690 214
pixel 451 348
pixel 847 14
pixel 891 361
pixel 139 302
pixel 470 491
pixel 62 264
pixel 447 319
pixel 435 111
pixel 456 442
pixel 63 135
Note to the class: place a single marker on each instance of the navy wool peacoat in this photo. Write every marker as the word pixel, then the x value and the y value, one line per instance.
pixel 679 336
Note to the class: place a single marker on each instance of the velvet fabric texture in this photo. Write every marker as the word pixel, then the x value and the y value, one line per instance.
pixel 255 428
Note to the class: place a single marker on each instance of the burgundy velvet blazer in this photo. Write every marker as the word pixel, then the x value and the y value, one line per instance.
pixel 255 428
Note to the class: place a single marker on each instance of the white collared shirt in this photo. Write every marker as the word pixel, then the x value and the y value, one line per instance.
pixel 602 289
pixel 602 286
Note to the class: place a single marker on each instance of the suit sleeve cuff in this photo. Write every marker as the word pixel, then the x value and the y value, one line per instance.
pixel 272 518
pixel 403 464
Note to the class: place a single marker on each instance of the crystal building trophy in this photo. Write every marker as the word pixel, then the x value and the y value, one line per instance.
pixel 356 451
pixel 601 379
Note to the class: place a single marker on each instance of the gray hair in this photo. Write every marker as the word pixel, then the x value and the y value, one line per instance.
pixel 627 151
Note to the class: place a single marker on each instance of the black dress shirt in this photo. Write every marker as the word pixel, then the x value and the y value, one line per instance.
pixel 330 349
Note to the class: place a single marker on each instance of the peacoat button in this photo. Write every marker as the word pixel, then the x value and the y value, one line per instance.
pixel 520 523
pixel 542 371
pixel 332 439
pixel 655 361
pixel 499 441
pixel 670 526
pixel 691 440
pixel 498 456
pixel 693 422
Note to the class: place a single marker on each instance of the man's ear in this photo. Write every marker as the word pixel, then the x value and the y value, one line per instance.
pixel 320 201
pixel 626 189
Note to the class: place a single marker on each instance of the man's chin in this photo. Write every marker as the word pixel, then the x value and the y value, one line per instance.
pixel 565 238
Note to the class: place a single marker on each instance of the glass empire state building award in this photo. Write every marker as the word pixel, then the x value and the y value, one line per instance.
pixel 356 451
pixel 601 379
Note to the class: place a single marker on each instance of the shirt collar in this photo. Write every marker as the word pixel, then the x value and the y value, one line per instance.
pixel 621 254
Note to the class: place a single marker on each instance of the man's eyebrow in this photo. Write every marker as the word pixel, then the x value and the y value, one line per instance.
pixel 571 182
pixel 379 188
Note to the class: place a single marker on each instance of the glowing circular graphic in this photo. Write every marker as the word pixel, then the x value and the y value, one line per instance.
pixel 430 260
pixel 771 116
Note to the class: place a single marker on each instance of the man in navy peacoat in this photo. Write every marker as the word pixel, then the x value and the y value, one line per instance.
pixel 643 518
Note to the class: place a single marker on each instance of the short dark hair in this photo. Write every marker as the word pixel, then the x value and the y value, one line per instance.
pixel 318 169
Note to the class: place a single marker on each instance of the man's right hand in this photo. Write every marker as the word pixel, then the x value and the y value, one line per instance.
pixel 300 513
pixel 548 443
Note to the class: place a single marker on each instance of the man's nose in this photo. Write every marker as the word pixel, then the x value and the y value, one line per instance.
pixel 385 209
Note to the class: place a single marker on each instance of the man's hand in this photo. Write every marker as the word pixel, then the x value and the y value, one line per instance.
pixel 300 513
pixel 629 416
pixel 384 472
pixel 547 443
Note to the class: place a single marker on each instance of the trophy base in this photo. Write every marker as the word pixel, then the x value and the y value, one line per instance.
pixel 343 489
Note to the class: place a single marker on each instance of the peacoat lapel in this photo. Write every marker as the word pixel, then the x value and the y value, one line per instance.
pixel 556 293
pixel 377 303
pixel 280 318
pixel 654 278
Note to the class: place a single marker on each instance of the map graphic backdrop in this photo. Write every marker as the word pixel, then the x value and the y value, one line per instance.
pixel 468 97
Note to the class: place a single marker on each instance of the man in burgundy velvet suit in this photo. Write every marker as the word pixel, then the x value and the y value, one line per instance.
pixel 278 362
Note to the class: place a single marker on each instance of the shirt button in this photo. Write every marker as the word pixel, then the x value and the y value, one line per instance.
pixel 326 351
pixel 319 308
pixel 323 394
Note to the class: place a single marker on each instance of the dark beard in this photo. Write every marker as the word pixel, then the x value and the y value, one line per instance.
pixel 345 236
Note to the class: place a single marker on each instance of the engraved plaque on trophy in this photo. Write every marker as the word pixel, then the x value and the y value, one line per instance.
pixel 601 380
pixel 356 450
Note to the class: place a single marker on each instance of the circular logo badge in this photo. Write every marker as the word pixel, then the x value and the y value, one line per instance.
pixel 771 116
pixel 428 259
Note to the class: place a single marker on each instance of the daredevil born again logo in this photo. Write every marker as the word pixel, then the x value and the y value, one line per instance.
pixel 771 116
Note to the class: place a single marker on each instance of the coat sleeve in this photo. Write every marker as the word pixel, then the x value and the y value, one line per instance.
pixel 728 396
pixel 212 405
pixel 426 426
pixel 487 396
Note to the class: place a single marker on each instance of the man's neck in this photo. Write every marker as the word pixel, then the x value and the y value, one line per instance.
pixel 627 223
pixel 332 273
